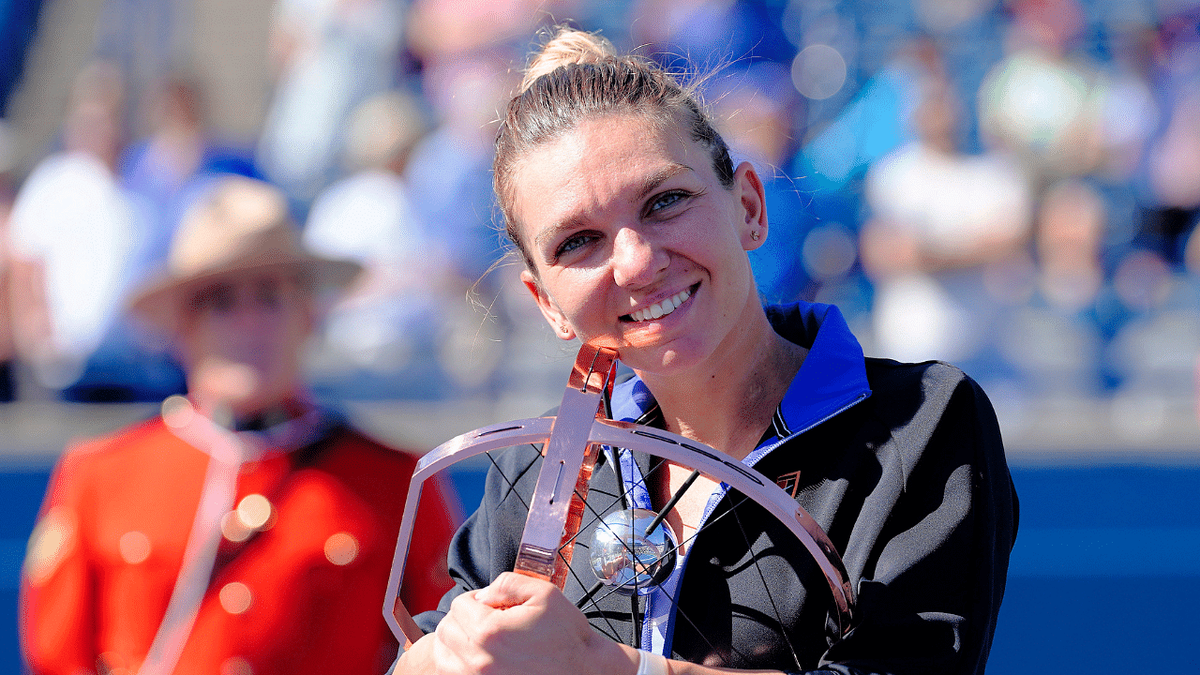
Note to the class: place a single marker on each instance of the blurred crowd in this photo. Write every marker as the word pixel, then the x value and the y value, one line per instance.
pixel 1009 185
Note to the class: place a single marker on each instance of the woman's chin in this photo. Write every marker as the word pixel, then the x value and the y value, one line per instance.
pixel 675 358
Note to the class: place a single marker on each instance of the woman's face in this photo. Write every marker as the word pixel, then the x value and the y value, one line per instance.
pixel 635 243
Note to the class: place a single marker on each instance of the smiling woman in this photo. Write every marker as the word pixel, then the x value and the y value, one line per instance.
pixel 625 215
pixel 635 227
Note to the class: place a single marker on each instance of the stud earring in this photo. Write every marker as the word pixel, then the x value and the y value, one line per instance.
pixel 754 235
pixel 563 328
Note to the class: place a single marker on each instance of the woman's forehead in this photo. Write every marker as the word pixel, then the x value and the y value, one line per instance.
pixel 603 158
pixel 635 135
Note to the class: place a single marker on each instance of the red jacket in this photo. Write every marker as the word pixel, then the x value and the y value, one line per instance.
pixel 302 594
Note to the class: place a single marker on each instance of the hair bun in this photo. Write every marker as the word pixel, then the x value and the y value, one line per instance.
pixel 568 46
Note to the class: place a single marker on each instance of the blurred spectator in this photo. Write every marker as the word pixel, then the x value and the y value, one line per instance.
pixel 450 181
pixel 945 228
pixel 1056 107
pixel 145 39
pixel 163 169
pixel 1170 176
pixel 1036 102
pixel 1069 245
pixel 384 334
pixel 247 529
pixel 329 56
pixel 76 238
pixel 1152 352
pixel 1056 339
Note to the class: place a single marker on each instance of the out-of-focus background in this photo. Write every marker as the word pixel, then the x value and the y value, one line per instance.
pixel 1009 185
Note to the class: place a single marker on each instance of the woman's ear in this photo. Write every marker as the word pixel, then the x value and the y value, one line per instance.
pixel 752 202
pixel 553 314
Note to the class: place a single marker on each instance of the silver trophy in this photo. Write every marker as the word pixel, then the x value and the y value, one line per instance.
pixel 631 548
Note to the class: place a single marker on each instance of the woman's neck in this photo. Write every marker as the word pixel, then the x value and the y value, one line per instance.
pixel 729 402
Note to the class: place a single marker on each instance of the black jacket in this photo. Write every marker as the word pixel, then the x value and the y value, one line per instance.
pixel 909 482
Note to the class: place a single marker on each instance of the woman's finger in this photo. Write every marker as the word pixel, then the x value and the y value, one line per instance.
pixel 511 589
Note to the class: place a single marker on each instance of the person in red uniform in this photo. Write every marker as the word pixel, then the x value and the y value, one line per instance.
pixel 246 530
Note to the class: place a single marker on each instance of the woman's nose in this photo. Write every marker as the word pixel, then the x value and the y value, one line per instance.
pixel 636 260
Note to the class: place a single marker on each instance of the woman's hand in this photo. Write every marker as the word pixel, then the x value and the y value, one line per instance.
pixel 518 625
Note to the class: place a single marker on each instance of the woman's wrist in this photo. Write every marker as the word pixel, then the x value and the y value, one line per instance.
pixel 614 663
pixel 650 663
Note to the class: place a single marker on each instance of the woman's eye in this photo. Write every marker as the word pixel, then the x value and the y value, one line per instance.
pixel 664 200
pixel 573 242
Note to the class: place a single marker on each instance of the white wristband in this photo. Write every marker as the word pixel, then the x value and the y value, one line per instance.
pixel 652 664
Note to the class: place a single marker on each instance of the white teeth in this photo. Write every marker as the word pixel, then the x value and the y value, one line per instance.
pixel 659 310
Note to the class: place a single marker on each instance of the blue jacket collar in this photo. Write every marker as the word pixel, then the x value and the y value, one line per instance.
pixel 832 378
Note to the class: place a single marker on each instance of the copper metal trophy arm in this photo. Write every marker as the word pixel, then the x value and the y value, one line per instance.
pixel 557 505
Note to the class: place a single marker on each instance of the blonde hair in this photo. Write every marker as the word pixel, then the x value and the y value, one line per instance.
pixel 578 75
pixel 568 47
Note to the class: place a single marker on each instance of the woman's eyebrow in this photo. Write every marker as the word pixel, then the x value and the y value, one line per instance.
pixel 661 176
pixel 551 231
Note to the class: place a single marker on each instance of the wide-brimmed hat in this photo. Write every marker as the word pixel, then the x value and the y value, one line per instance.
pixel 239 225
